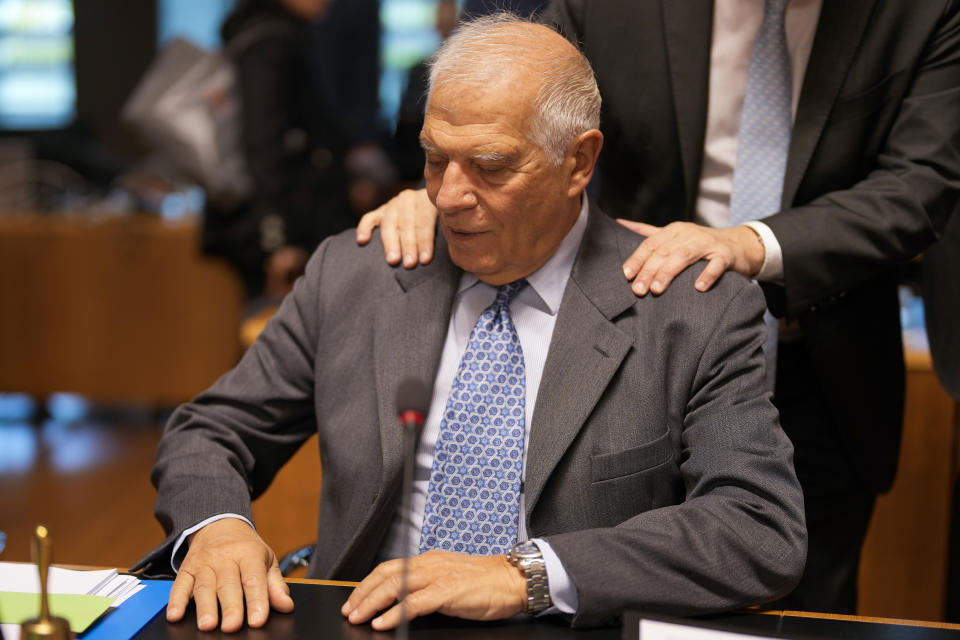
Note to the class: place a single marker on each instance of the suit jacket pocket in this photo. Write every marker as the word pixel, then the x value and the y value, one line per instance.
pixel 609 466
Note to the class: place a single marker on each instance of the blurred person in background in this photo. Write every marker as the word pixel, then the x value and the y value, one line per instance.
pixel 347 70
pixel 293 146
pixel 407 153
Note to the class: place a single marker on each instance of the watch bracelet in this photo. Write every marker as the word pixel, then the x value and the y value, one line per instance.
pixel 538 591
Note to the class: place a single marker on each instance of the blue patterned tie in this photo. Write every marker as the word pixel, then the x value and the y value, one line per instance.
pixel 764 139
pixel 473 500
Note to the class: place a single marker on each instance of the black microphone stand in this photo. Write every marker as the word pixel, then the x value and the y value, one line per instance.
pixel 410 433
pixel 413 402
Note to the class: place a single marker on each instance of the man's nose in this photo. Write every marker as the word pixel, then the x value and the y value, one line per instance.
pixel 456 190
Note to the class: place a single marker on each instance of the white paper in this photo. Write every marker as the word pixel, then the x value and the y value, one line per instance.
pixel 24 578
pixel 659 630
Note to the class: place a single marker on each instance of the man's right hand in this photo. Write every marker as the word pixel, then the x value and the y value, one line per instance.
pixel 407 223
pixel 228 562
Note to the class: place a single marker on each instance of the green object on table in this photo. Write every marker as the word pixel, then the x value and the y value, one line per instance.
pixel 79 610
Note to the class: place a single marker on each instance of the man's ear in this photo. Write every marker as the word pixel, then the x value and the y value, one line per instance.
pixel 583 151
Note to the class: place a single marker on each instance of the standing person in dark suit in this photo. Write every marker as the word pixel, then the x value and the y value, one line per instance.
pixel 871 172
pixel 292 147
pixel 347 66
pixel 407 153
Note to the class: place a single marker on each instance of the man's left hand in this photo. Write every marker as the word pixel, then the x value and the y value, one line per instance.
pixel 669 250
pixel 455 584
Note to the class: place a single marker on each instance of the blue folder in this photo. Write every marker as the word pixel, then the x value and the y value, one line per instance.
pixel 125 621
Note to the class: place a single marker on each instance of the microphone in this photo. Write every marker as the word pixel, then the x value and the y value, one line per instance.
pixel 413 402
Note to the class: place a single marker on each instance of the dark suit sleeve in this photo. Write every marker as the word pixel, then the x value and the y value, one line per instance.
pixel 886 173
pixel 221 450
pixel 738 538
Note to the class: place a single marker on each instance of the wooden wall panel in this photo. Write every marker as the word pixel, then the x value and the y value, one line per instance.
pixel 120 309
pixel 904 562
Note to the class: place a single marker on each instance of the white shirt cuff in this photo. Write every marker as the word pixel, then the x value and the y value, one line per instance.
pixel 175 560
pixel 772 269
pixel 563 593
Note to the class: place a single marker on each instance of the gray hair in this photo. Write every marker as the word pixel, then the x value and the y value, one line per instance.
pixel 568 100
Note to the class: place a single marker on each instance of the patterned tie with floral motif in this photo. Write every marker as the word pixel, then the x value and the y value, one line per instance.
pixel 473 499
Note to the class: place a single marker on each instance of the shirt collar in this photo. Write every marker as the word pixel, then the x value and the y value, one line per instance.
pixel 550 280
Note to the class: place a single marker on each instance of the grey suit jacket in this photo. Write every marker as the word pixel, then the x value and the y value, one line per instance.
pixel 656 466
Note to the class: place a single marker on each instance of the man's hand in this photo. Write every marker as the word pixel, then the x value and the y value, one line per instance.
pixel 669 250
pixel 455 584
pixel 407 223
pixel 228 562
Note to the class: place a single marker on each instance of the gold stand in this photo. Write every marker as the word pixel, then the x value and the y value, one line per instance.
pixel 46 627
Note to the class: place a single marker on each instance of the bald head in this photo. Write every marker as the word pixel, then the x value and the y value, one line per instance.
pixel 502 52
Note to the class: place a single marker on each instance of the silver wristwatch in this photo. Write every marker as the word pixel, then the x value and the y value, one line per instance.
pixel 527 557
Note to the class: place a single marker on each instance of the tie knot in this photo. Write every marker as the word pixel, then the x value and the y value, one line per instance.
pixel 509 291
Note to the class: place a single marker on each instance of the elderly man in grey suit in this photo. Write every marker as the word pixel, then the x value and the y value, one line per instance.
pixel 585 451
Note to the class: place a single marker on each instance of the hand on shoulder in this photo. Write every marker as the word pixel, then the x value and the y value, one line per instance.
pixel 407 223
pixel 666 251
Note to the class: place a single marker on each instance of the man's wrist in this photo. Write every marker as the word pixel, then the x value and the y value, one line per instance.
pixel 179 549
pixel 754 248
pixel 772 269
pixel 527 557
pixel 518 583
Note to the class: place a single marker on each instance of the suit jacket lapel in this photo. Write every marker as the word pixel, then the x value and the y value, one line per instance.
pixel 687 28
pixel 409 341
pixel 839 31
pixel 585 352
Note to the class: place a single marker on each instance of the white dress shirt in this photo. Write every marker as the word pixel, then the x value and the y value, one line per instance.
pixel 735 27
